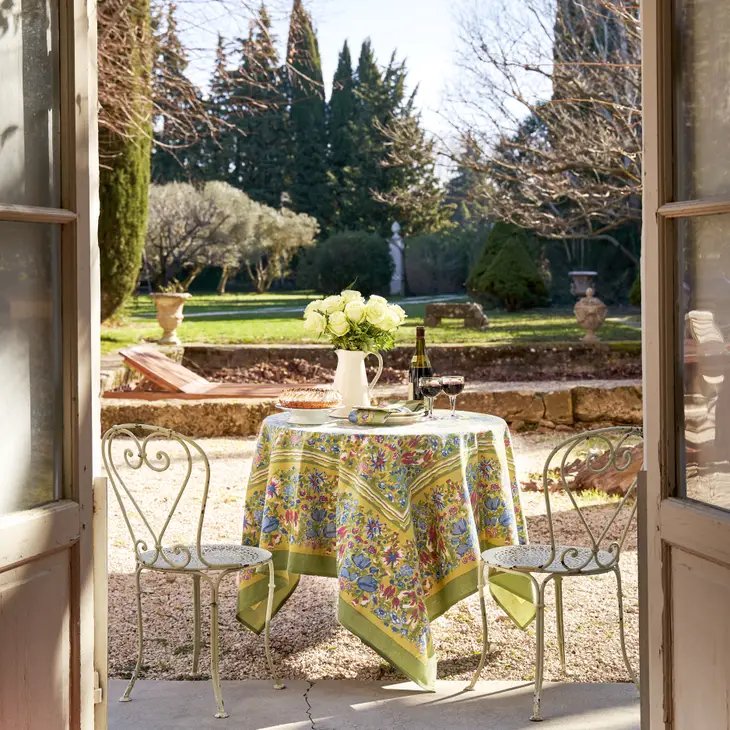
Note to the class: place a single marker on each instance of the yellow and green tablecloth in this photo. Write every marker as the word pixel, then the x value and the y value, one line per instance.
pixel 398 515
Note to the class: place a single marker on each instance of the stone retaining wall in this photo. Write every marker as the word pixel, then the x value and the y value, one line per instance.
pixel 485 362
pixel 573 406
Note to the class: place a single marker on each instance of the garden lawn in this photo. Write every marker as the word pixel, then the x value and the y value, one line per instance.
pixel 277 318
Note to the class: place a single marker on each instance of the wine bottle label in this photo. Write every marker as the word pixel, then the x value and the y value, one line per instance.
pixel 410 391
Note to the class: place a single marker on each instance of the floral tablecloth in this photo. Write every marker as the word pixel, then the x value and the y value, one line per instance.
pixel 397 514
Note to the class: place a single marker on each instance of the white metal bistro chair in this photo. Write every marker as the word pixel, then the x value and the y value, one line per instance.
pixel 151 450
pixel 614 452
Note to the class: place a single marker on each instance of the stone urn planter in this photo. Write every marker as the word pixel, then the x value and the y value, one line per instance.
pixel 169 307
pixel 590 313
pixel 580 281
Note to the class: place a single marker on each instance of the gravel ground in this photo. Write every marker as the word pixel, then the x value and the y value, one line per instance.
pixel 306 638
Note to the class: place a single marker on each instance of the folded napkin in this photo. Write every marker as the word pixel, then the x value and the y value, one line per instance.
pixel 383 415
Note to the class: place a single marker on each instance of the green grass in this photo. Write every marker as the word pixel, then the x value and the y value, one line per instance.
pixel 237 319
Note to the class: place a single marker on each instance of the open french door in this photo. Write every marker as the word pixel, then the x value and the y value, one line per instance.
pixel 686 308
pixel 48 363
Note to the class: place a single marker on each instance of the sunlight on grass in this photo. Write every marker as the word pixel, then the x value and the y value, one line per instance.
pixel 229 319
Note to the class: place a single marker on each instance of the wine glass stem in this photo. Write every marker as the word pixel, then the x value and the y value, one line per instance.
pixel 430 407
pixel 452 398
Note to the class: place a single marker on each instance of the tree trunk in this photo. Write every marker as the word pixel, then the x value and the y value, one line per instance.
pixel 223 281
pixel 190 278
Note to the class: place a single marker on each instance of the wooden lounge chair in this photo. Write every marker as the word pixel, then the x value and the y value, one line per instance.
pixel 177 381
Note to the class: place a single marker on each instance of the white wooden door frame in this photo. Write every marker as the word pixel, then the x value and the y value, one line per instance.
pixel 67 524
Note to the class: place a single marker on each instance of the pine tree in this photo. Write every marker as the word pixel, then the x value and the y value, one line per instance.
pixel 262 135
pixel 308 189
pixel 343 157
pixel 179 107
pixel 124 178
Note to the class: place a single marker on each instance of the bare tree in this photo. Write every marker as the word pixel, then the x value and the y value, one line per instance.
pixel 550 99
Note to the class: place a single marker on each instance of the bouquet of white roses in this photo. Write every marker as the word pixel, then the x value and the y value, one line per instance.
pixel 351 322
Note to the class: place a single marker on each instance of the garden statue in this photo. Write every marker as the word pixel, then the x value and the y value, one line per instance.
pixel 397 250
pixel 590 313
pixel 169 307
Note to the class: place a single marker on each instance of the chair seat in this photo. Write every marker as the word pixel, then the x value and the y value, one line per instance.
pixel 533 559
pixel 220 557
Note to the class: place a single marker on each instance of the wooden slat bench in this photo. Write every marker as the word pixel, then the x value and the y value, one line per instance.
pixel 176 381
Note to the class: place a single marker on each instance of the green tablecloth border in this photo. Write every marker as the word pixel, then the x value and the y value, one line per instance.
pixel 409 664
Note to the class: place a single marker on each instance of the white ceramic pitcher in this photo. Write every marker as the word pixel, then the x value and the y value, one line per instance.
pixel 351 380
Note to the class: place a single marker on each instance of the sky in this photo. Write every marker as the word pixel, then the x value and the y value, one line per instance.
pixel 424 32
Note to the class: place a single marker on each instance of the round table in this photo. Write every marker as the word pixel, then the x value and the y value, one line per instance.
pixel 398 515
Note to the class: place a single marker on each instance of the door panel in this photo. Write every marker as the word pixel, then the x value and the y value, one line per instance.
pixel 685 527
pixel 49 337
pixel 701 641
pixel 35 639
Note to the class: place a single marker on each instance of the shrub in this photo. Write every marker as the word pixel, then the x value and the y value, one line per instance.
pixel 506 274
pixel 438 263
pixel 349 259
pixel 635 293
pixel 512 279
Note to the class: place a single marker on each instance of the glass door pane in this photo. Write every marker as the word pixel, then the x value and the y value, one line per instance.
pixel 704 338
pixel 702 98
pixel 29 103
pixel 30 365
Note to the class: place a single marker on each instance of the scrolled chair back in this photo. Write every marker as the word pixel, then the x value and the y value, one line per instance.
pixel 607 459
pixel 147 452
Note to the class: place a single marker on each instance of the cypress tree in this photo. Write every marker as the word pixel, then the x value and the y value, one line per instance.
pixel 219 146
pixel 366 212
pixel 343 159
pixel 262 139
pixel 124 179
pixel 180 107
pixel 308 184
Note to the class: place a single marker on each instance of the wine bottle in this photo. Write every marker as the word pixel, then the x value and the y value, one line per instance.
pixel 420 365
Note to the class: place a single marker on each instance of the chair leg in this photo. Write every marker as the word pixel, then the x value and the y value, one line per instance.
pixel 196 623
pixel 622 632
pixel 561 625
pixel 485 635
pixel 127 696
pixel 539 651
pixel 214 669
pixel 278 684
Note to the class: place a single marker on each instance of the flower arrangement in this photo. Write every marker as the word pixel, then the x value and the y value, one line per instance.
pixel 351 322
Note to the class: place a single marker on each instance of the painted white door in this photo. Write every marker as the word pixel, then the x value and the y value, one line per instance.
pixel 48 334
pixel 686 300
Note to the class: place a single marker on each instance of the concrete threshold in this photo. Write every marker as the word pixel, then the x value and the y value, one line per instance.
pixel 350 705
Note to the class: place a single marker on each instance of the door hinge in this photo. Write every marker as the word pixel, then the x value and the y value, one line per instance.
pixel 98 693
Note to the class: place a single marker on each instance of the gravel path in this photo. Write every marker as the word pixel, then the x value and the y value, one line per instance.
pixel 306 638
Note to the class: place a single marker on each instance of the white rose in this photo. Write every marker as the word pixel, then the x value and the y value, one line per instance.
pixel 377 298
pixel 350 295
pixel 315 323
pixel 375 311
pixel 391 321
pixel 313 306
pixel 355 311
pixel 338 324
pixel 397 309
pixel 332 304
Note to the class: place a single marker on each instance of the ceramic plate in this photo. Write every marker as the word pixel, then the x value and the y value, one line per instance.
pixel 308 416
